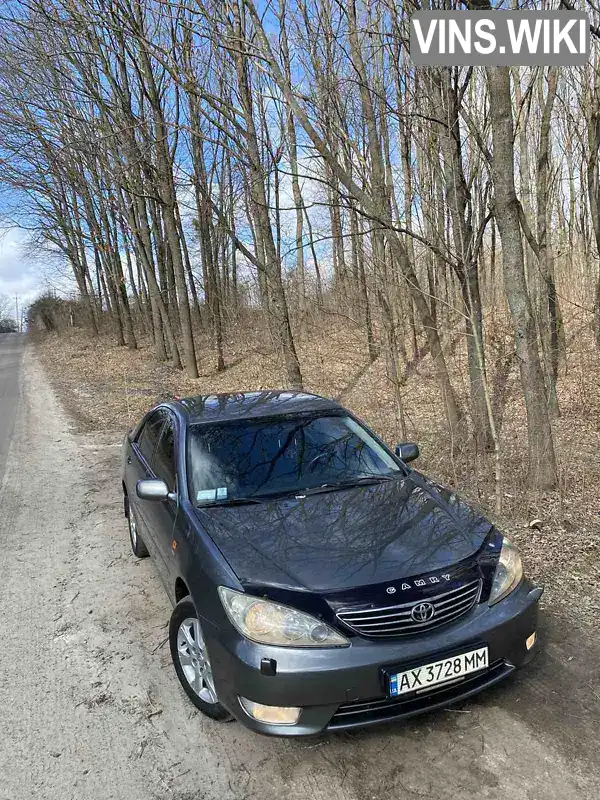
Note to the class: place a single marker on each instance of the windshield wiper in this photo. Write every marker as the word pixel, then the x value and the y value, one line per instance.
pixel 366 480
pixel 234 501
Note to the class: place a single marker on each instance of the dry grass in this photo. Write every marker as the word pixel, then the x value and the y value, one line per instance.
pixel 109 388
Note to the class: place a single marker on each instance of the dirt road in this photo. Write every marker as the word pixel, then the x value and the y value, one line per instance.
pixel 90 707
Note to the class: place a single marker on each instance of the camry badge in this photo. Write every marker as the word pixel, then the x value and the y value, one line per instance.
pixel 422 612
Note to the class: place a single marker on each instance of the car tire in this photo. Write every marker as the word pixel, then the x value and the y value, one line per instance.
pixel 138 548
pixel 191 662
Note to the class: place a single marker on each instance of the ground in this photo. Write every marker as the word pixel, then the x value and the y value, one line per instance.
pixel 108 388
pixel 90 706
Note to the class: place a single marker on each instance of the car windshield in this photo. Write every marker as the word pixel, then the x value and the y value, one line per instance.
pixel 260 458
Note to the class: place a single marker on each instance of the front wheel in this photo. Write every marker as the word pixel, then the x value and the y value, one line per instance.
pixel 191 661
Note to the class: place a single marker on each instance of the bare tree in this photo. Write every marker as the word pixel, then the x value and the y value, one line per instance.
pixel 204 166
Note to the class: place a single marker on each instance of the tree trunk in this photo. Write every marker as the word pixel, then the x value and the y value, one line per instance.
pixel 542 459
pixel 593 185
pixel 551 318
pixel 279 320
pixel 466 267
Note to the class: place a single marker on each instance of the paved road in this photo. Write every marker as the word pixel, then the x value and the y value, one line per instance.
pixel 90 708
pixel 11 352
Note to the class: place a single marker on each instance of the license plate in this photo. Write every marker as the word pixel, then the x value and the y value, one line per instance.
pixel 445 671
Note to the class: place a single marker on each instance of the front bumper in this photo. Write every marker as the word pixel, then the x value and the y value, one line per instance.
pixel 339 688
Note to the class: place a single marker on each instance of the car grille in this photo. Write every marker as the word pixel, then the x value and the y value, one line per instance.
pixel 398 620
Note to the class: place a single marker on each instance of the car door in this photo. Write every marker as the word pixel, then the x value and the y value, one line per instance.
pixel 139 467
pixel 165 514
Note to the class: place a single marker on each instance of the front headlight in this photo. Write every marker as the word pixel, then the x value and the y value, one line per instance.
pixel 271 623
pixel 509 572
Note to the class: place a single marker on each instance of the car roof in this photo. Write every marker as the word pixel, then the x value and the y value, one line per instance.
pixel 249 405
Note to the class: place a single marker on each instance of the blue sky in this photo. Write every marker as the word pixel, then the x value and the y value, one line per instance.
pixel 18 275
pixel 24 274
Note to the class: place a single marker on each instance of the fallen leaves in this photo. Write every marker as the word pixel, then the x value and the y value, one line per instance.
pixel 110 388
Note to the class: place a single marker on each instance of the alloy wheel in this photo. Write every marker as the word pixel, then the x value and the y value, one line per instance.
pixel 194 660
pixel 133 529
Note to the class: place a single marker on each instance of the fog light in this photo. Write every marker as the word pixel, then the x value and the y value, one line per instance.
pixel 531 641
pixel 273 715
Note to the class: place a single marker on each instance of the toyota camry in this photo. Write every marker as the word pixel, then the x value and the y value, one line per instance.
pixel 318 581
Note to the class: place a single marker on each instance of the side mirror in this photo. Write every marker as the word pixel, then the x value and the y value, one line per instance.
pixel 152 490
pixel 407 451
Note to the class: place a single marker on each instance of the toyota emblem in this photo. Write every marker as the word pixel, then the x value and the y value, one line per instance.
pixel 422 612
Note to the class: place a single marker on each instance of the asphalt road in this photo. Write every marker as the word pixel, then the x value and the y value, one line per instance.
pixel 90 707
pixel 11 352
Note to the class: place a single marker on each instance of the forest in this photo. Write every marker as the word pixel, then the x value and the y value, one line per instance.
pixel 206 166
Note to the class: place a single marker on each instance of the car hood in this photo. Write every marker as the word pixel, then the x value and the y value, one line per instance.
pixel 347 538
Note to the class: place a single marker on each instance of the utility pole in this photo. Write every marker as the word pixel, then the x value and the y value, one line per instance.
pixel 17 320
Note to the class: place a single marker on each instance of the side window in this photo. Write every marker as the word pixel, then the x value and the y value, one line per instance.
pixel 164 462
pixel 148 437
